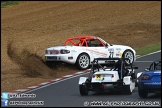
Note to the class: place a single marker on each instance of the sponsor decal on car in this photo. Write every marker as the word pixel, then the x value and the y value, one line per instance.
pixel 97 52
pixel 120 53
pixel 153 83
pixel 111 49
pixel 73 50
pixel 118 48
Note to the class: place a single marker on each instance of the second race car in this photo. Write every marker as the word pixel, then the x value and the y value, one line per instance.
pixel 149 81
pixel 113 77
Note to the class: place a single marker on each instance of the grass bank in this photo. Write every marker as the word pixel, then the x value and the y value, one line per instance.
pixel 148 49
pixel 5 4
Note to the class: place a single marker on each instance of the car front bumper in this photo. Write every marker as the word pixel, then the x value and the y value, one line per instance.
pixel 62 58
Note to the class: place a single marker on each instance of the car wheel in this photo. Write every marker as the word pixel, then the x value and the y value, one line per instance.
pixel 128 54
pixel 83 61
pixel 142 93
pixel 83 90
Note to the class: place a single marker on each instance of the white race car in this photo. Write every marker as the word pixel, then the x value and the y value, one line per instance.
pixel 115 77
pixel 81 50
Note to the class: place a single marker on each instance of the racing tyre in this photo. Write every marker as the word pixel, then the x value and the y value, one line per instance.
pixel 83 90
pixel 128 54
pixel 83 61
pixel 142 93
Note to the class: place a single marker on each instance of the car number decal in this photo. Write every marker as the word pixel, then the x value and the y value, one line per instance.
pixel 111 54
pixel 111 51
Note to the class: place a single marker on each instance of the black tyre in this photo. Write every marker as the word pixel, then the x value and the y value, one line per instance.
pixel 83 61
pixel 142 93
pixel 83 90
pixel 128 54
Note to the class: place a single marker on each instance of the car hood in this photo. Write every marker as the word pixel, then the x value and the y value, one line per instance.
pixel 119 46
pixel 122 47
pixel 60 47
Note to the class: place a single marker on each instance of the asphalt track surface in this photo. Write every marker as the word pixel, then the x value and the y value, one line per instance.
pixel 65 93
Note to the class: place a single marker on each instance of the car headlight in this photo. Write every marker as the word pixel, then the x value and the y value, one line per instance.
pixel 63 51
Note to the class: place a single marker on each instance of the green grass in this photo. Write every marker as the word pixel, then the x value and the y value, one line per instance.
pixel 8 3
pixel 148 49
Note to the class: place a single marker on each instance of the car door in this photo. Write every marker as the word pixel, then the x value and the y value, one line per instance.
pixel 98 49
pixel 106 48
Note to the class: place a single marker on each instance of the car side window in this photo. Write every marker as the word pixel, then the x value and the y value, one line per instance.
pixel 84 44
pixel 96 43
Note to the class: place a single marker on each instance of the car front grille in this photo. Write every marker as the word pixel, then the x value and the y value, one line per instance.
pixel 51 57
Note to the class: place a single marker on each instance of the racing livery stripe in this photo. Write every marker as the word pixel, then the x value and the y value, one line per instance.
pixel 97 52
